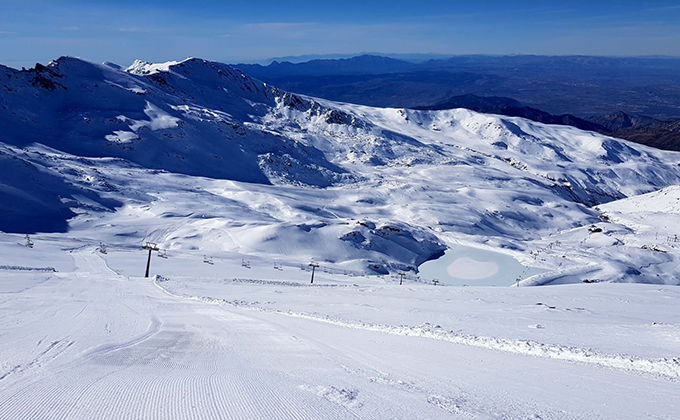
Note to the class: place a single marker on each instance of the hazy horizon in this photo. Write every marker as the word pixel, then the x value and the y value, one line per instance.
pixel 310 57
pixel 258 31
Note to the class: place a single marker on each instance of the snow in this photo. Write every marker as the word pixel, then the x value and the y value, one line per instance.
pixel 269 173
pixel 193 342
pixel 243 185
pixel 277 174
pixel 120 136
pixel 158 119
pixel 145 68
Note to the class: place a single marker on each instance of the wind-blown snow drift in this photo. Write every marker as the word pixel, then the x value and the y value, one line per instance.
pixel 196 154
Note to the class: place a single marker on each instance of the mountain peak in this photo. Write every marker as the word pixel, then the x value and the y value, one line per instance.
pixel 69 60
pixel 145 68
pixel 192 66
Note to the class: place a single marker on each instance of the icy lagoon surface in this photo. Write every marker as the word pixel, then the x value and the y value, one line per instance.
pixel 469 266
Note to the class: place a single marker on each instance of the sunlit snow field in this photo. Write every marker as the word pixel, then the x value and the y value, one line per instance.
pixel 88 327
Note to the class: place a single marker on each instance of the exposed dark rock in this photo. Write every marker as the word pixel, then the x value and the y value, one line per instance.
pixel 620 120
pixel 662 136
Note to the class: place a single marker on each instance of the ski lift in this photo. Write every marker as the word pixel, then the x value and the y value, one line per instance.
pixel 162 254
pixel 208 260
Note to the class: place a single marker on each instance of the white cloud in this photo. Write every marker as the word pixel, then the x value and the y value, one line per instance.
pixel 132 29
pixel 278 26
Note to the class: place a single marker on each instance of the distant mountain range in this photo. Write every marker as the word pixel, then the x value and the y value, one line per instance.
pixel 365 64
pixel 577 85
pixel 633 98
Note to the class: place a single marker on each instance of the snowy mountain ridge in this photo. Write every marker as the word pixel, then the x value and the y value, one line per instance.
pixel 144 68
pixel 197 155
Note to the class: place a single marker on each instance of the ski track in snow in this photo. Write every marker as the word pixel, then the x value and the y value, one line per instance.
pixel 154 328
pixel 166 366
pixel 188 358
pixel 22 268
pixel 668 368
pixel 52 351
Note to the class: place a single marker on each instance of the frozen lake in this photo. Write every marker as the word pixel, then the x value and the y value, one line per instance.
pixel 468 266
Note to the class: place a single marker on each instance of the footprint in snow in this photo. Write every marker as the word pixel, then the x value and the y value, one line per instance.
pixel 340 396
pixel 451 405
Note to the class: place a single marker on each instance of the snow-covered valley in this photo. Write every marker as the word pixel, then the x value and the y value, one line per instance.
pixel 242 185
pixel 196 155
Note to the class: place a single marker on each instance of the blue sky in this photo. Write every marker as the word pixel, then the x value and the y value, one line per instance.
pixel 246 31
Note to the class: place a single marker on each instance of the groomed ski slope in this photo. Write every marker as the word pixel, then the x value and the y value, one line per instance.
pixel 94 340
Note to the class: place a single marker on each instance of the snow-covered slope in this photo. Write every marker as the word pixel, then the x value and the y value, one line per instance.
pixel 196 155
pixel 652 219
pixel 84 336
